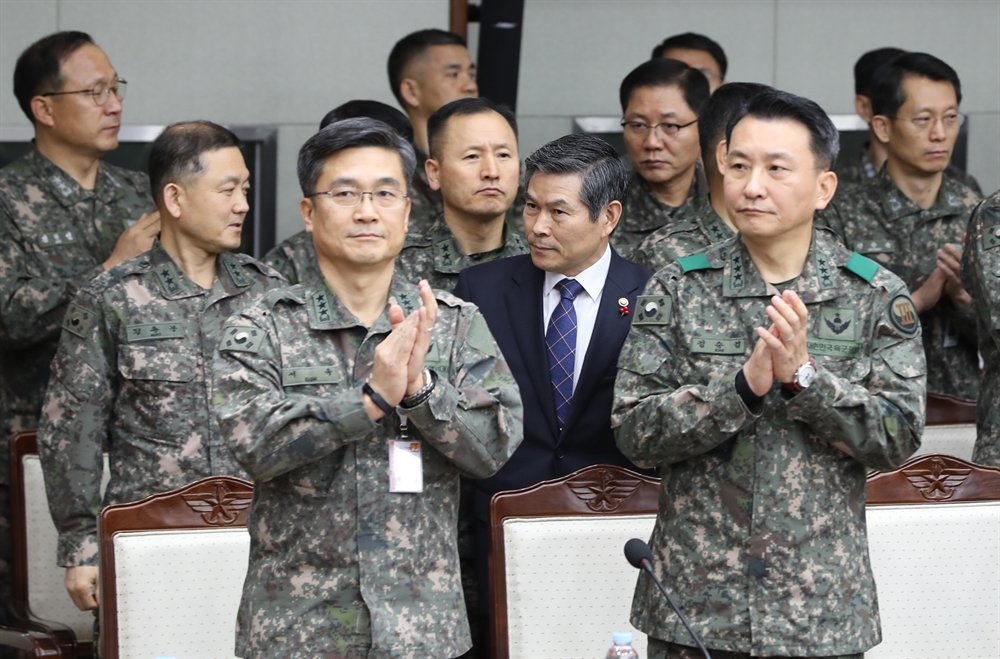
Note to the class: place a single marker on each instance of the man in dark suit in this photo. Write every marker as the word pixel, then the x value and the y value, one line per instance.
pixel 560 316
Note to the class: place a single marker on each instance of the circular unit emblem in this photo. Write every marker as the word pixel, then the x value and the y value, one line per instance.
pixel 903 314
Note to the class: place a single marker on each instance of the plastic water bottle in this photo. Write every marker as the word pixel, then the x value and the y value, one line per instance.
pixel 622 648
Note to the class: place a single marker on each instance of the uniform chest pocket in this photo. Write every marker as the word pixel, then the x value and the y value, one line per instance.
pixel 159 395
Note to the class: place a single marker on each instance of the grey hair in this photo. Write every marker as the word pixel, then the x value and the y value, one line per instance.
pixel 605 178
pixel 351 134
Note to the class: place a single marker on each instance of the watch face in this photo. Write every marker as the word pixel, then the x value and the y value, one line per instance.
pixel 805 375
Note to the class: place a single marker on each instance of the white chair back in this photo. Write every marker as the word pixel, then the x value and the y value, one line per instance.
pixel 568 584
pixel 958 439
pixel 179 591
pixel 47 597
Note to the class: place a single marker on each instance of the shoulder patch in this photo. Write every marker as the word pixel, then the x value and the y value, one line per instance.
pixel 903 314
pixel 653 310
pixel 78 320
pixel 479 336
pixel 991 227
pixel 862 266
pixel 241 339
pixel 449 299
pixel 694 262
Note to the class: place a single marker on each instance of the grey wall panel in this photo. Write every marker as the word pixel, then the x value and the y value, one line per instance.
pixel 21 23
pixel 984 150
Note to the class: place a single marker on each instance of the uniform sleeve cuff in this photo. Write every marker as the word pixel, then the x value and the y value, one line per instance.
pixel 76 549
pixel 441 405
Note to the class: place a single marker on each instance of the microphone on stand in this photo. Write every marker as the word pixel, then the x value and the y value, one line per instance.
pixel 639 555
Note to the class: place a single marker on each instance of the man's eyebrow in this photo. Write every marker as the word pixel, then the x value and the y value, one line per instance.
pixel 770 155
pixel 232 178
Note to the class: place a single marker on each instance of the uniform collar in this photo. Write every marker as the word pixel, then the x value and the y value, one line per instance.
pixel 64 187
pixel 819 280
pixel 448 256
pixel 896 205
pixel 709 223
pixel 650 213
pixel 327 312
pixel 175 284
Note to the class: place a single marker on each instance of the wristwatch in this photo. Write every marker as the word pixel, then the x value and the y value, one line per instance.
pixel 804 376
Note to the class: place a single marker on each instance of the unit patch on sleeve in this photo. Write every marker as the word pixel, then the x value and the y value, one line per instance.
pixel 903 314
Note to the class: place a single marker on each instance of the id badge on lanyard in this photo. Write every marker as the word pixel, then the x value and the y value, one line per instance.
pixel 406 468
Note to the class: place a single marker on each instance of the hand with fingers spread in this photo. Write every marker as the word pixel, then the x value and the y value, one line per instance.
pixel 135 240
pixel 786 339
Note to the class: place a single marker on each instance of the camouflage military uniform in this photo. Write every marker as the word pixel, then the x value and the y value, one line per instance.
pixel 339 566
pixel 425 203
pixel 434 255
pixel 132 369
pixel 862 169
pixel 761 534
pixel 691 232
pixel 881 222
pixel 981 276
pixel 295 258
pixel 54 235
pixel 643 213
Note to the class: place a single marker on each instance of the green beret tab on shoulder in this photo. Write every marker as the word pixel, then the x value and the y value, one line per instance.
pixel 862 266
pixel 694 262
pixel 78 320
pixel 903 314
pixel 653 310
pixel 479 336
pixel 241 339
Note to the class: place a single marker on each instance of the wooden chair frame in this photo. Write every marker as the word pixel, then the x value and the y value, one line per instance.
pixel 213 502
pixel 21 445
pixel 933 478
pixel 30 644
pixel 600 490
pixel 944 409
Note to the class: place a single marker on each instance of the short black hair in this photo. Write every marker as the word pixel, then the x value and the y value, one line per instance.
pixel 887 83
pixel 39 68
pixel 605 178
pixel 727 100
pixel 411 47
pixel 667 73
pixel 356 133
pixel 438 122
pixel 175 156
pixel 374 110
pixel 775 105
pixel 868 63
pixel 694 41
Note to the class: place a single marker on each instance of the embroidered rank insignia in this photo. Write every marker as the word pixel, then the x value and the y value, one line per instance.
pixel 241 339
pixel 653 309
pixel 321 307
pixel 168 278
pixel 837 324
pixel 903 315
pixel 236 273
pixel 736 277
pixel 78 320
pixel 56 239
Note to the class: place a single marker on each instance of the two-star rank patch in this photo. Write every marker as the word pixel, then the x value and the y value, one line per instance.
pixel 653 309
pixel 903 314
pixel 241 339
pixel 78 320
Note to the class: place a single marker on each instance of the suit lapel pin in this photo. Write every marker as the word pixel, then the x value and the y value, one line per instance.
pixel 623 306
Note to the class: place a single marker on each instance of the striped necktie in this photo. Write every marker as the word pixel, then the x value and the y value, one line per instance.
pixel 560 342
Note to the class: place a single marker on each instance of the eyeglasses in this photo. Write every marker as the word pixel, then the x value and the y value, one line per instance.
pixel 667 129
pixel 950 121
pixel 348 197
pixel 101 93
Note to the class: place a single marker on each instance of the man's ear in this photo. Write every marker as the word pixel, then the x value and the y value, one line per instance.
pixel 863 106
pixel 410 90
pixel 611 214
pixel 173 196
pixel 306 210
pixel 882 127
pixel 721 149
pixel 827 188
pixel 433 170
pixel 41 108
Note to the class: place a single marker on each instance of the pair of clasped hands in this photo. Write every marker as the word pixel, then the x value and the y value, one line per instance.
pixel 782 347
pixel 398 371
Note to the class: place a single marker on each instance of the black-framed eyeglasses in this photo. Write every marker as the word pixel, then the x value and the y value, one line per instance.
pixel 101 92
pixel 666 128
pixel 349 197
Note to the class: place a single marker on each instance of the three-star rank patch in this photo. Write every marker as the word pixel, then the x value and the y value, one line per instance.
pixel 241 339
pixel 837 324
pixel 78 320
pixel 903 315
pixel 653 309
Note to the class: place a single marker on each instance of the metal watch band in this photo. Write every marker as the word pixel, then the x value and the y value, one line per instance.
pixel 424 393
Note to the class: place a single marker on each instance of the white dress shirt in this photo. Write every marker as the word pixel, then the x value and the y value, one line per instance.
pixel 586 305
